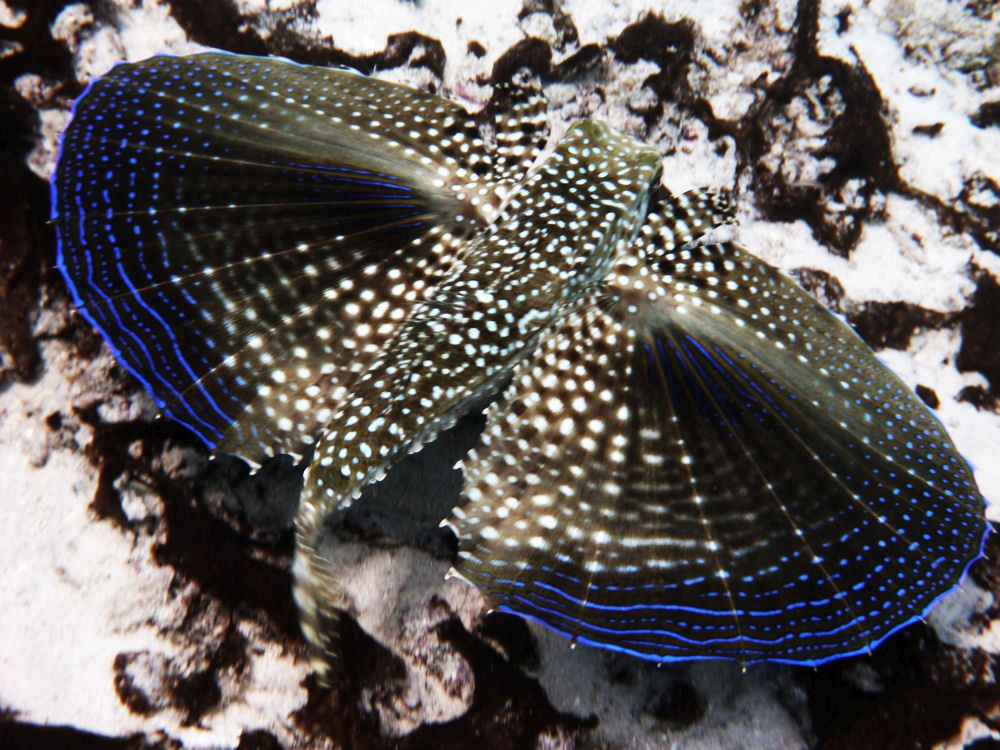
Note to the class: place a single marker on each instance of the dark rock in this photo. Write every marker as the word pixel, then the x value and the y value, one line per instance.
pixel 344 711
pixel 981 332
pixel 670 46
pixel 843 19
pixel 983 743
pixel 567 34
pixel 928 396
pixel 984 9
pixel 27 241
pixel 821 285
pixel 225 566
pixel 221 25
pixel 23 197
pixel 580 62
pixel 988 115
pixel 125 449
pixel 218 25
pixel 147 683
pixel 509 709
pixel 197 545
pixel 975 211
pixel 979 397
pixel 979 206
pixel 196 694
pixel 750 9
pixel 931 130
pixel 263 504
pixel 531 54
pixel 138 681
pixel 667 45
pixel 258 739
pixel 892 324
pixel 986 575
pixel 842 100
pixel 26 736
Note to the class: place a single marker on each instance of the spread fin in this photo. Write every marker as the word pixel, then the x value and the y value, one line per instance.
pixel 699 461
pixel 247 232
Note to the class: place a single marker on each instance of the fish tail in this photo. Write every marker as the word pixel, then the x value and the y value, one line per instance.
pixel 319 594
pixel 315 589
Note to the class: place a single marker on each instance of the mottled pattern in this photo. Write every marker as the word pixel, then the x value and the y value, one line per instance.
pixel 692 459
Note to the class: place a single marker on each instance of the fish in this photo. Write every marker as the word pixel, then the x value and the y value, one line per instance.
pixel 686 455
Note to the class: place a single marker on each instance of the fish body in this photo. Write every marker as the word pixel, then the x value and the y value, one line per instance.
pixel 688 457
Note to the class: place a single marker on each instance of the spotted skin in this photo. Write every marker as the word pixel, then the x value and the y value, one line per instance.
pixel 690 457
pixel 480 321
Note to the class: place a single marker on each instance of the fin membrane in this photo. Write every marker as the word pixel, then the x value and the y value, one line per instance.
pixel 246 232
pixel 699 461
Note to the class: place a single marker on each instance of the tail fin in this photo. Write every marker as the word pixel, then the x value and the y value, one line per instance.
pixel 318 596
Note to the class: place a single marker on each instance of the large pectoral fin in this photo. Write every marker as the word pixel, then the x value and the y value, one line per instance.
pixel 246 232
pixel 699 461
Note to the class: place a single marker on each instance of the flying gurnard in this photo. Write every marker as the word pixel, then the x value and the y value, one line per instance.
pixel 687 456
